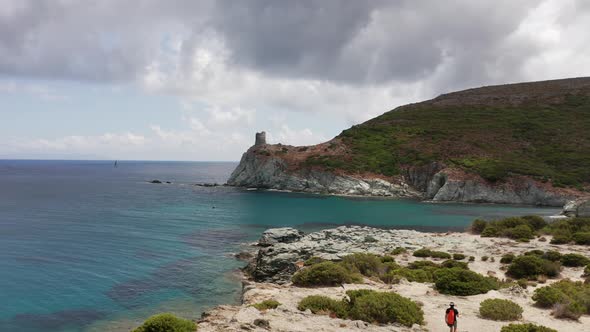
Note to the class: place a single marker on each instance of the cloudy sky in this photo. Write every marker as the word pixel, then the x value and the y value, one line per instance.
pixel 193 80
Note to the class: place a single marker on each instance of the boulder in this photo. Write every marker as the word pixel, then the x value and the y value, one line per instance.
pixel 279 235
pixel 577 208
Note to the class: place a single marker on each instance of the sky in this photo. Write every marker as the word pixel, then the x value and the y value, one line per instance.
pixel 194 80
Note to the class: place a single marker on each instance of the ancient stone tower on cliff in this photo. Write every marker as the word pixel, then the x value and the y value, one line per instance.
pixel 260 138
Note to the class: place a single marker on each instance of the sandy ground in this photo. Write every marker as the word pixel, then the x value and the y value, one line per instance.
pixel 288 318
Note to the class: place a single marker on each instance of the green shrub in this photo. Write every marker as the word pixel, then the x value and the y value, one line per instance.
pixel 574 260
pixel 490 231
pixel 520 232
pixel 471 258
pixel 568 299
pixel 457 281
pixel 484 258
pixel 366 264
pixel 166 323
pixel 498 309
pixel 324 274
pixel 507 258
pixel 453 263
pixel 383 308
pixel 440 254
pixel 387 259
pixel 522 283
pixel 526 328
pixel 319 304
pixel 586 271
pixel 530 267
pixel 552 255
pixel 535 252
pixel 399 250
pixel 459 257
pixel 582 238
pixel 367 305
pixel 313 260
pixel 267 304
pixel 422 253
pixel 478 225
pixel 535 222
pixel 561 237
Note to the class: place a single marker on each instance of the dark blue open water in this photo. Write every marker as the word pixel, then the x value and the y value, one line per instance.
pixel 85 246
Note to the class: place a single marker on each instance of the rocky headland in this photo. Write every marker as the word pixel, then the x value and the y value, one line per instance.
pixel 282 252
pixel 526 143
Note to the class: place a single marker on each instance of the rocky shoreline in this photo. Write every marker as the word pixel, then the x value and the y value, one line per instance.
pixel 281 252
pixel 268 166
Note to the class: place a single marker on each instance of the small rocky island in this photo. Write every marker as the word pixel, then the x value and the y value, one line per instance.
pixel 282 293
pixel 525 143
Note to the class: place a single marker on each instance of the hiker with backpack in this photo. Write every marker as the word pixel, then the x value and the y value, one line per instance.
pixel 451 317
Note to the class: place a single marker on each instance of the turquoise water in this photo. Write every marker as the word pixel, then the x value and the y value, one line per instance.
pixel 85 246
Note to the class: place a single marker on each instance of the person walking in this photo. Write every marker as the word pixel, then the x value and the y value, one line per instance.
pixel 451 317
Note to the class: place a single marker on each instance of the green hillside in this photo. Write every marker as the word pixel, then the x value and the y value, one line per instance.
pixel 545 134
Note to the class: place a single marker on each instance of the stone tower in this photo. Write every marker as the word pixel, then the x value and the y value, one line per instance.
pixel 260 138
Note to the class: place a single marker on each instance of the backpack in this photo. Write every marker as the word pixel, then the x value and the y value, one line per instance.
pixel 450 318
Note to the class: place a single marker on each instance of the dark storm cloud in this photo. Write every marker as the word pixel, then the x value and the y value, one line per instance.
pixel 351 42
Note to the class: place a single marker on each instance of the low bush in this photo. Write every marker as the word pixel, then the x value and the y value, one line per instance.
pixel 319 304
pixel 267 304
pixel 471 258
pixel 552 255
pixel 573 260
pixel 484 258
pixel 459 257
pixel 324 274
pixel 522 283
pixel 526 328
pixel 453 263
pixel 520 232
pixel 440 254
pixel 369 306
pixel 535 252
pixel 586 271
pixel 387 259
pixel 399 250
pixel 519 228
pixel 568 299
pixel 366 264
pixel 561 237
pixel 166 322
pixel 582 238
pixel 498 309
pixel 478 226
pixel 507 258
pixel 383 308
pixel 532 266
pixel 457 281
pixel 424 252
pixel 313 260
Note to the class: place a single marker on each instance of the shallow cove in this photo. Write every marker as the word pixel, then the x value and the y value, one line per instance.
pixel 85 246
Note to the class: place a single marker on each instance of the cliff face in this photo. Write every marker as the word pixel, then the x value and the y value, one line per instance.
pixel 526 143
pixel 259 170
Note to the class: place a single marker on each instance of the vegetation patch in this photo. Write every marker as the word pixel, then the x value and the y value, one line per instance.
pixel 494 141
pixel 459 257
pixel 498 309
pixel 457 281
pixel 518 228
pixel 266 305
pixel 574 260
pixel 569 299
pixel 526 328
pixel 325 274
pixel 424 252
pixel 569 230
pixel 166 322
pixel 531 267
pixel 399 250
pixel 369 306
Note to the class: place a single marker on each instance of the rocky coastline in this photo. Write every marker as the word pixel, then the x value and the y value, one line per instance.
pixel 281 252
pixel 266 166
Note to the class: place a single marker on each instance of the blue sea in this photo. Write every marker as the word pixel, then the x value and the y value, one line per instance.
pixel 85 246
